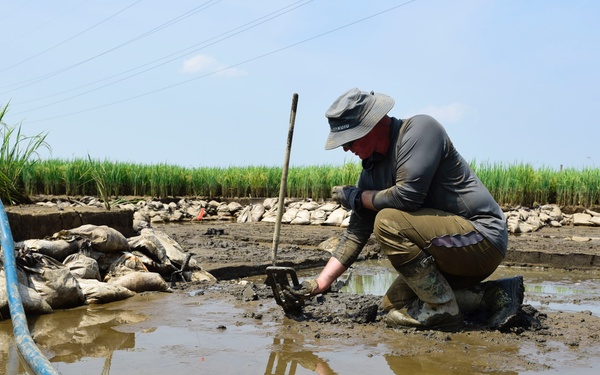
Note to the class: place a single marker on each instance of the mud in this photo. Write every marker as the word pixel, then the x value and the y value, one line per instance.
pixel 236 326
pixel 231 251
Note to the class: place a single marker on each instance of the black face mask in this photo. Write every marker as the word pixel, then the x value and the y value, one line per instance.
pixel 370 162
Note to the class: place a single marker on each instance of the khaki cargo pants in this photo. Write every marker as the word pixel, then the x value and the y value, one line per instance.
pixel 461 253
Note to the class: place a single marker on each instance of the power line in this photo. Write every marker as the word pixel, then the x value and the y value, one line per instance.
pixel 231 66
pixel 68 39
pixel 216 39
pixel 152 31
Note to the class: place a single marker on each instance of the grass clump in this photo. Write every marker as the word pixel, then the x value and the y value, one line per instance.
pixel 18 154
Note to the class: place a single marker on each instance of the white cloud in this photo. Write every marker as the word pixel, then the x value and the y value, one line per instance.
pixel 451 113
pixel 199 64
pixel 207 65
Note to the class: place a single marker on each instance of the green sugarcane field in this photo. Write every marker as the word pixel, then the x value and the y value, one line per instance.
pixel 23 174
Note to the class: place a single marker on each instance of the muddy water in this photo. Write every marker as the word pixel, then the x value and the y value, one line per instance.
pixel 185 333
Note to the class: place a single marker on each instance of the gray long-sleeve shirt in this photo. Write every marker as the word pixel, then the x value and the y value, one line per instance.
pixel 422 169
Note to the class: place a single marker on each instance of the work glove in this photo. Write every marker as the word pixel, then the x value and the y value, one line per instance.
pixel 303 291
pixel 348 196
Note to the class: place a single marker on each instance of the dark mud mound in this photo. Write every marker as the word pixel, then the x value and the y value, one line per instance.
pixel 336 308
pixel 345 308
pixel 527 318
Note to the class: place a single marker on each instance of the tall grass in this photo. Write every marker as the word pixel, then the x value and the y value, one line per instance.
pixel 579 186
pixel 101 173
pixel 521 184
pixel 510 184
pixel 91 177
pixel 17 153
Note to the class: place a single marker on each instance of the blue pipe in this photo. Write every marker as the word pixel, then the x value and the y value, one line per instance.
pixel 27 347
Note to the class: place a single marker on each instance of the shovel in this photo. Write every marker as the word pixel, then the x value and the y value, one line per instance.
pixel 282 278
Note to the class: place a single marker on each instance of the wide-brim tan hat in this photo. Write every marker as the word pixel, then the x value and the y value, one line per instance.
pixel 354 114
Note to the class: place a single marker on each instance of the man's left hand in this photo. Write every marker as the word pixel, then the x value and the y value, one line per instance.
pixel 348 196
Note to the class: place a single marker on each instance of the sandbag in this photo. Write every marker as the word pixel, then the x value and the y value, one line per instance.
pixel 318 217
pixel 102 238
pixel 270 203
pixel 289 215
pixel 201 276
pixel 140 282
pixel 58 249
pixel 173 250
pixel 53 281
pixel 33 303
pixel 98 292
pixel 244 216
pixel 82 266
pixel 153 266
pixel 251 214
pixel 302 218
pixel 336 217
pixel 149 245
pixel 105 260
pixel 125 264
pixel 269 216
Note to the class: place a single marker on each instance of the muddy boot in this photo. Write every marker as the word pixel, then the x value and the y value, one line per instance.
pixel 499 299
pixel 435 306
pixel 504 300
pixel 397 295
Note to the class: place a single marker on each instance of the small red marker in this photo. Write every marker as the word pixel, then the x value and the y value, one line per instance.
pixel 200 214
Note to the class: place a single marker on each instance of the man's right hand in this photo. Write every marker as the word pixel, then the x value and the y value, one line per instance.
pixel 305 290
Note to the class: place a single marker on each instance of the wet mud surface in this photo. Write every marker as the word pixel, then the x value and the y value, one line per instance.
pixel 235 325
pixel 344 317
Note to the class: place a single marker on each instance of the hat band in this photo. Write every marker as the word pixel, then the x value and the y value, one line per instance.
pixel 340 128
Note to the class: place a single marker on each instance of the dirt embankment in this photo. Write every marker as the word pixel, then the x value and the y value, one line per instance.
pixel 234 250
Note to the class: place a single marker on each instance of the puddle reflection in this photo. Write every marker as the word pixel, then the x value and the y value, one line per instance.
pixel 71 335
pixel 287 355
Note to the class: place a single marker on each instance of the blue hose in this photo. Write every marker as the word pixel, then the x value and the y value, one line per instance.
pixel 27 347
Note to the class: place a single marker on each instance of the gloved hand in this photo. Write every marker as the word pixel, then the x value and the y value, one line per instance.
pixel 303 291
pixel 348 196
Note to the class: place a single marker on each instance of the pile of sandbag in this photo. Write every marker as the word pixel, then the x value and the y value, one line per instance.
pixel 309 212
pixel 95 264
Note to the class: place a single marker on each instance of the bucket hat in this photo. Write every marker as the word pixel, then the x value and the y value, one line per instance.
pixel 354 114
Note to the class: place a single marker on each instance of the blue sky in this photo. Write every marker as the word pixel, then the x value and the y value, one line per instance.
pixel 210 83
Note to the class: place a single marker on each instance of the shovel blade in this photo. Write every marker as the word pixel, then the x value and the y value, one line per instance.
pixel 281 278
